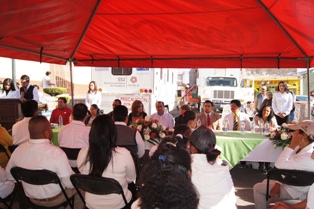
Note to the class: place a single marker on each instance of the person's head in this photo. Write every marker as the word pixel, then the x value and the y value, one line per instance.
pixel 115 103
pixel 17 85
pixel 102 142
pixel 269 95
pixel 203 141
pixel 248 104
pixel 25 80
pixel 160 107
pixel 190 119
pixel 266 111
pixel 79 112
pixel 165 182
pixel 208 106
pixel 8 85
pixel 263 89
pixel 282 86
pixel 94 110
pixel 120 113
pixel 62 102
pixel 304 129
pixel 92 86
pixel 183 131
pixel 137 107
pixel 29 108
pixel 235 106
pixel 184 108
pixel 48 73
pixel 39 127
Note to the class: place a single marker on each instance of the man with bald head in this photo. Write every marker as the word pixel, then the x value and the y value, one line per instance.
pixel 37 154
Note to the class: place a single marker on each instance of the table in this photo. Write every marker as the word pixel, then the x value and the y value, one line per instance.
pixel 236 146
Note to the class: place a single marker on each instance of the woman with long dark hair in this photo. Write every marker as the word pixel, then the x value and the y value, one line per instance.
pixel 210 174
pixel 94 112
pixel 8 89
pixel 166 181
pixel 103 158
pixel 93 95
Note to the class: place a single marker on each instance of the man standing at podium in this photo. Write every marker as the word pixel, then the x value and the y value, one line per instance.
pixel 27 91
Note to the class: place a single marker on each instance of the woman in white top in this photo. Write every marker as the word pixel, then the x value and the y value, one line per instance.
pixel 266 114
pixel 210 174
pixel 93 95
pixel 103 158
pixel 8 90
pixel 282 103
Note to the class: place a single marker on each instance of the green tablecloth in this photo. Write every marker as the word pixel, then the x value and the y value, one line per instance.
pixel 55 132
pixel 236 145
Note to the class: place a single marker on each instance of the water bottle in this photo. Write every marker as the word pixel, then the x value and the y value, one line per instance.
pixel 266 128
pixel 261 126
pixel 252 126
pixel 242 126
pixel 60 121
pixel 225 126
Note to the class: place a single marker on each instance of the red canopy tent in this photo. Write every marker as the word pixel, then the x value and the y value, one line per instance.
pixel 156 33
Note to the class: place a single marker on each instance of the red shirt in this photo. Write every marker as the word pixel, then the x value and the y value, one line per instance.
pixel 65 112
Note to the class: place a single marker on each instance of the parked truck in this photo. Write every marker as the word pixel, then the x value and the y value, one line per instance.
pixel 223 85
pixel 129 84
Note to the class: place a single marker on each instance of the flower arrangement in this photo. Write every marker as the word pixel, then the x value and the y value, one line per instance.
pixel 150 130
pixel 282 136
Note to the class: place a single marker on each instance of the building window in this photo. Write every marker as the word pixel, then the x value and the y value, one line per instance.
pixel 121 71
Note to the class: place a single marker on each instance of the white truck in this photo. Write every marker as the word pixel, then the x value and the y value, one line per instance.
pixel 128 84
pixel 222 85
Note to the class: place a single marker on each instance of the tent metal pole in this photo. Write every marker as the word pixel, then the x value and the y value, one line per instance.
pixel 282 28
pixel 308 88
pixel 72 86
pixel 85 29
pixel 35 53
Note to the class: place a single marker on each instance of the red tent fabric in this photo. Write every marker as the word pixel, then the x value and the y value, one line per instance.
pixel 155 33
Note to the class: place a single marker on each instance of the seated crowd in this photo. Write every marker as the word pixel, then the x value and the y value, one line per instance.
pixel 183 171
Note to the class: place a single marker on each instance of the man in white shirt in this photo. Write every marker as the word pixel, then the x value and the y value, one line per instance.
pixel 75 134
pixel 20 133
pixel 236 117
pixel 260 97
pixel 297 156
pixel 163 117
pixel 39 153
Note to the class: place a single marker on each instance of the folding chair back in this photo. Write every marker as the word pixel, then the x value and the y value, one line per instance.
pixel 4 150
pixel 96 185
pixel 71 153
pixel 12 147
pixel 39 177
pixel 290 177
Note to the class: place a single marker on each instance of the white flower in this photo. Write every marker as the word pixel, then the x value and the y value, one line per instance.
pixel 284 136
pixel 146 137
pixel 163 128
pixel 139 127
pixel 284 125
pixel 154 125
pixel 171 130
pixel 272 135
pixel 162 134
pixel 146 131
pixel 147 118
